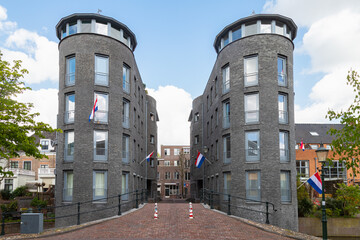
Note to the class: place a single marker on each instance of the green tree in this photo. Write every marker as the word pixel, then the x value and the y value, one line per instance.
pixel 304 203
pixel 350 198
pixel 346 142
pixel 17 123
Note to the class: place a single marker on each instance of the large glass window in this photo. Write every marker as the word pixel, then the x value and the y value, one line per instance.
pixel 126 113
pixel 68 186
pixel 251 71
pixel 252 146
pixel 70 71
pixel 27 165
pixel 335 171
pixel 14 164
pixel 101 70
pixel 125 149
pixel 284 146
pixel 226 114
pixel 302 167
pixel 252 108
pixel 100 145
pixel 125 186
pixel 70 108
pixel 86 26
pixel 285 186
pixel 72 28
pixel 101 28
pixel 227 149
pixel 283 113
pixel 236 33
pixel 126 79
pixel 9 184
pixel 253 185
pixel 99 185
pixel 226 79
pixel 279 28
pixel 250 28
pixel 227 185
pixel 69 146
pixel 226 39
pixel 282 76
pixel 101 115
pixel 265 26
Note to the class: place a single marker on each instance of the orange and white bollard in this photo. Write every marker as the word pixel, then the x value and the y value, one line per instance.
pixel 191 216
pixel 156 212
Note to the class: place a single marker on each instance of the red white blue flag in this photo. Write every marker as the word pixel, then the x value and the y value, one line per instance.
pixel 149 156
pixel 315 182
pixel 95 108
pixel 199 160
pixel 302 145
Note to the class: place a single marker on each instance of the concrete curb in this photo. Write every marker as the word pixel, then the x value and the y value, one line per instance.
pixel 269 228
pixel 63 230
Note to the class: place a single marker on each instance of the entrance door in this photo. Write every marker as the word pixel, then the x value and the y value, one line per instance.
pixel 167 191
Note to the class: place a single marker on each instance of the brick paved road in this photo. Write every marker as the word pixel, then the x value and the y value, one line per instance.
pixel 173 223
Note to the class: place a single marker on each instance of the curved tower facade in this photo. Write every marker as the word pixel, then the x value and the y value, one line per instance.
pixel 244 121
pixel 100 154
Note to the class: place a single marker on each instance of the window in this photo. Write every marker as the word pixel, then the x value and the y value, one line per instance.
pixel 176 175
pixel 236 33
pixel 101 70
pixel 72 28
pixel 284 146
pixel 279 28
pixel 282 76
pixel 125 148
pixel 226 39
pixel 282 103
pixel 126 113
pixel 251 71
pixel 126 78
pixel 227 150
pixel 252 146
pixel 187 176
pixel 176 151
pixel 152 117
pixel 285 186
pixel 226 118
pixel 101 115
pixel 68 186
pixel 69 146
pixel 216 86
pixel 101 28
pixel 227 185
pixel 176 163
pixel 14 164
pixel 167 151
pixel 100 145
pixel 196 117
pixel 27 165
pixel 125 186
pixel 252 108
pixel 158 176
pixel 336 171
pixel 85 26
pixel 314 134
pixel 70 108
pixel 186 150
pixel 171 190
pixel 302 167
pixel 216 117
pixel 70 71
pixel 265 26
pixel 226 79
pixel 167 175
pixel 253 185
pixel 9 185
pixel 166 163
pixel 44 166
pixel 99 185
pixel 152 139
pixel 250 28
pixel 197 139
pixel 44 144
pixel 314 146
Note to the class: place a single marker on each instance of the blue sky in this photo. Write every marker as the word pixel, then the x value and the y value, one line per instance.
pixel 175 53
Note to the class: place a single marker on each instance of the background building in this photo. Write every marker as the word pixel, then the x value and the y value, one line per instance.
pixel 244 121
pixel 101 158
pixel 174 172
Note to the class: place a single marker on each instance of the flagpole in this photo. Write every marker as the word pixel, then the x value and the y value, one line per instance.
pixel 302 184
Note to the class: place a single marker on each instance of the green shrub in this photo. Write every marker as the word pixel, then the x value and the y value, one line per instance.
pixel 5 194
pixel 335 207
pixel 304 207
pixel 20 192
pixel 349 196
pixel 37 203
pixel 9 208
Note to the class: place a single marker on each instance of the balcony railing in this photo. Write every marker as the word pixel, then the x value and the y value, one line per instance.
pixel 252 154
pixel 99 193
pixel 125 122
pixel 252 116
pixel 226 122
pixel 101 116
pixel 101 79
pixel 227 157
pixel 226 86
pixel 46 171
pixel 125 157
pixel 100 154
pixel 70 79
pixel 67 194
pixel 69 154
pixel 283 116
pixel 20 171
pixel 69 116
pixel 282 79
pixel 284 155
pixel 126 87
pixel 251 79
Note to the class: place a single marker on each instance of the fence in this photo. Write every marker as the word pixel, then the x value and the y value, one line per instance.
pixel 225 199
pixel 138 197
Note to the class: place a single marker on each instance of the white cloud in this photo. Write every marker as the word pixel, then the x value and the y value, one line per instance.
pixel 331 41
pixel 5 26
pixel 45 102
pixel 173 105
pixel 3 14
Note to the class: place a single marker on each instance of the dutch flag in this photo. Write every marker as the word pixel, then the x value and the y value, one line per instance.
pixel 315 182
pixel 199 160
pixel 302 145
pixel 149 156
pixel 95 108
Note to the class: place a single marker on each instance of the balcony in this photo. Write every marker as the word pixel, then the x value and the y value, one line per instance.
pixel 46 172
pixel 19 171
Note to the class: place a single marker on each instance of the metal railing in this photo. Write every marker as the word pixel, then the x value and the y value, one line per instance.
pixel 231 202
pixel 116 201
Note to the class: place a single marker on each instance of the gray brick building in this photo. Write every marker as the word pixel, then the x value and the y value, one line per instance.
pixel 100 158
pixel 251 151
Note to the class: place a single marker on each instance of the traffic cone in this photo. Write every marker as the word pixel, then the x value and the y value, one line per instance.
pixel 156 212
pixel 191 216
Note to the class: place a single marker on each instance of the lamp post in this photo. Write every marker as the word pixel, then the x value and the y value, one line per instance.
pixel 322 154
pixel 206 149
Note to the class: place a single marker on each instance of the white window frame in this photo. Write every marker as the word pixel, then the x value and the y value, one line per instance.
pixel 226 114
pixel 101 78
pixel 285 187
pixel 282 76
pixel 248 111
pixel 70 77
pixel 226 78
pixel 251 78
pixel 69 157
pixel 69 113
pixel 226 149
pixel 252 158
pixel 68 192
pixel 282 105
pixel 126 78
pixel 102 157
pixel 284 146
pixel 102 114
pixel 250 189
pixel 96 191
pixel 125 148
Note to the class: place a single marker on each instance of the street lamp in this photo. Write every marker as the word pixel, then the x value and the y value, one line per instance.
pixel 322 154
